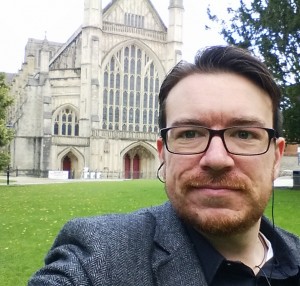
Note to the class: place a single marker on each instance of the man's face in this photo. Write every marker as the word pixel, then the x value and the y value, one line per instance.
pixel 217 192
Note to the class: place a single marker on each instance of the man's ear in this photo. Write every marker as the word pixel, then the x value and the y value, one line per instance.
pixel 279 151
pixel 160 149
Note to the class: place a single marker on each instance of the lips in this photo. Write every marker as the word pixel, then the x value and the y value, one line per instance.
pixel 217 187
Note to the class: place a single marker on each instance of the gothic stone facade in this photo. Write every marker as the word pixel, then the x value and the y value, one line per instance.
pixel 92 102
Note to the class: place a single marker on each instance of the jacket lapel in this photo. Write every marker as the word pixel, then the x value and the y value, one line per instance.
pixel 174 258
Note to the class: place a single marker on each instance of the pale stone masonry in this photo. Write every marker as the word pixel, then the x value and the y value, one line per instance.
pixel 92 102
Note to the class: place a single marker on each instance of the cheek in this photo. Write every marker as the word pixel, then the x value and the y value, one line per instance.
pixel 179 167
pixel 260 171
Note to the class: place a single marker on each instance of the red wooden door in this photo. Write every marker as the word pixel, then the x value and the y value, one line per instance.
pixel 127 167
pixel 67 165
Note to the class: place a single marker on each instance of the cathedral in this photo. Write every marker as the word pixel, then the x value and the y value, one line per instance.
pixel 89 106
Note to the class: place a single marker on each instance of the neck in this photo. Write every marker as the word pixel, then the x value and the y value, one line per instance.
pixel 248 247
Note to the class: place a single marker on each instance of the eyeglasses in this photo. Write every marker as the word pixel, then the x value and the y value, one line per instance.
pixel 238 140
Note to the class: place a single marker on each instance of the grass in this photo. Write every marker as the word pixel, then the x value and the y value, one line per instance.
pixel 31 216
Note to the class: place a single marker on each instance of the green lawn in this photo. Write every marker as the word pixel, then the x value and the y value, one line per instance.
pixel 31 216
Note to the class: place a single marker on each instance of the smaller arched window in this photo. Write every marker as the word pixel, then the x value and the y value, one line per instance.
pixel 66 123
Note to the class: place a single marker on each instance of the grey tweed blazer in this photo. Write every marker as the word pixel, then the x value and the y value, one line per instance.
pixel 148 247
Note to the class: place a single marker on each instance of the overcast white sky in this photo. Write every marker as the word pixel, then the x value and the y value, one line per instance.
pixel 23 19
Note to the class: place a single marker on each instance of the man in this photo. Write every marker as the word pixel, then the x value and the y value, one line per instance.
pixel 220 152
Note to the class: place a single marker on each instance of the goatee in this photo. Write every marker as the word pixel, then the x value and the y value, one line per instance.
pixel 228 223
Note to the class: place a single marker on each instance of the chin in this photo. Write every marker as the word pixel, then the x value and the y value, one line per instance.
pixel 218 222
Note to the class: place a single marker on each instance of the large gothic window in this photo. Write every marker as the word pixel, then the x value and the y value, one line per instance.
pixel 66 123
pixel 131 86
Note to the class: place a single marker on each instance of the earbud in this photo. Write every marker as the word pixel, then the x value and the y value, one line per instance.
pixel 158 175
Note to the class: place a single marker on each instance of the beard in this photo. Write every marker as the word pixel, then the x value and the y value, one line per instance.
pixel 216 222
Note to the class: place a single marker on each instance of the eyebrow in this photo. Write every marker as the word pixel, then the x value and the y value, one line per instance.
pixel 247 121
pixel 188 122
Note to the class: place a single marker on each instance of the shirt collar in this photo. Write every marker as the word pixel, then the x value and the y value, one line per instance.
pixel 283 266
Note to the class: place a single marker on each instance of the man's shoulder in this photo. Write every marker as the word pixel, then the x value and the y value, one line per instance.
pixel 268 228
pixel 115 248
pixel 282 238
pixel 140 216
pixel 291 239
pixel 140 223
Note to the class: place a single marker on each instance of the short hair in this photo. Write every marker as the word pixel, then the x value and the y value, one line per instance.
pixel 218 59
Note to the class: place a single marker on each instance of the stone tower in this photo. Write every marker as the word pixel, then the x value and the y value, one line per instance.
pixel 90 65
pixel 175 30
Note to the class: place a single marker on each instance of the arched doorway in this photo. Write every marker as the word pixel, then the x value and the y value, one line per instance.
pixel 71 160
pixel 138 163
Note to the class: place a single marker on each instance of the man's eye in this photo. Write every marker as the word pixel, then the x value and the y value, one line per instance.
pixel 244 134
pixel 189 134
pixel 248 134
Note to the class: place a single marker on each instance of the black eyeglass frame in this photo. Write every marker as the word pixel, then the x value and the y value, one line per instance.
pixel 272 133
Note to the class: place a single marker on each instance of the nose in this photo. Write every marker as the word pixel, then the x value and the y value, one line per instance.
pixel 216 157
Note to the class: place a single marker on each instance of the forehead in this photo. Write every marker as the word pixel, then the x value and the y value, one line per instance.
pixel 218 99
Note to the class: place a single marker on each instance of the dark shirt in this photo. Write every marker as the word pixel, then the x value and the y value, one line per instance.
pixel 281 270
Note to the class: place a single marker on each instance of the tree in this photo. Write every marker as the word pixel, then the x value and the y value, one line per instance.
pixel 271 30
pixel 6 134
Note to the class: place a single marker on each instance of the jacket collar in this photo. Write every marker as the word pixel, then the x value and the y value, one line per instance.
pixel 175 261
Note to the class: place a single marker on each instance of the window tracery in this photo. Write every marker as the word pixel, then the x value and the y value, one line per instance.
pixel 66 123
pixel 131 87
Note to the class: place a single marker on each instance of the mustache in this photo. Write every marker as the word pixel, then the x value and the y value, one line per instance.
pixel 228 181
